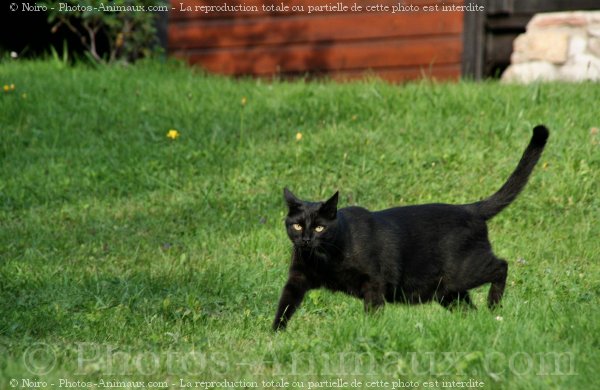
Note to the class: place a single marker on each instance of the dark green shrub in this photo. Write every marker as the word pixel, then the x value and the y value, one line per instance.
pixel 128 28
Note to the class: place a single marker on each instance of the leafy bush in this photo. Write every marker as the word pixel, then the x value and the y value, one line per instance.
pixel 128 28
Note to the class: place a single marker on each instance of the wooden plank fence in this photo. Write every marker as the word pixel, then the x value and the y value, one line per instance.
pixel 395 46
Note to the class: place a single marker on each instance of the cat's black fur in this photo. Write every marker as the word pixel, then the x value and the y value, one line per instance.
pixel 409 254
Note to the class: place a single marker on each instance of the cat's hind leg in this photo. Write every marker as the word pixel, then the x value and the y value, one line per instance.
pixel 498 274
pixel 479 268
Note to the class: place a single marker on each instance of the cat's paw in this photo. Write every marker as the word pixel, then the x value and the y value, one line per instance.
pixel 278 326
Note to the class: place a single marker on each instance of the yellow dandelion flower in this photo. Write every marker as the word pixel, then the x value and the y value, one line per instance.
pixel 172 134
pixel 6 88
pixel 244 101
pixel 298 136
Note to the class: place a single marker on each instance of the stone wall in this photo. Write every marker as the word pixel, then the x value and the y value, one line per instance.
pixel 562 46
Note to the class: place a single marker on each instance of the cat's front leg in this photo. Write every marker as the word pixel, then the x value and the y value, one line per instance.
pixel 291 297
pixel 373 296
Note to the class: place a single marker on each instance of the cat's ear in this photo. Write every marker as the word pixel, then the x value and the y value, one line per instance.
pixel 291 200
pixel 329 207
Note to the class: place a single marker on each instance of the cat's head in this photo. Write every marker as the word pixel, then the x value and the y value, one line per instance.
pixel 310 225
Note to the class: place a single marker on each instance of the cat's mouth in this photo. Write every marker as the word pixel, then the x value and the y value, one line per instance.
pixel 313 248
pixel 305 245
pixel 304 242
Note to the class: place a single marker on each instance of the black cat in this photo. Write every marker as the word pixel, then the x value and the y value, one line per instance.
pixel 410 254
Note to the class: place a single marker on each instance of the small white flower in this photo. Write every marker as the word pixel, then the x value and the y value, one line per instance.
pixel 13 54
pixel 499 318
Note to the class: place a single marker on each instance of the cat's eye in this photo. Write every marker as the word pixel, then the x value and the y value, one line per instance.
pixel 319 229
pixel 297 226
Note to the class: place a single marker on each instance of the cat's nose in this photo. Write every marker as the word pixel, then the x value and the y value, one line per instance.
pixel 306 241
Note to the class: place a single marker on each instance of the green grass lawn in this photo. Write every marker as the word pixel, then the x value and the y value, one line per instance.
pixel 129 256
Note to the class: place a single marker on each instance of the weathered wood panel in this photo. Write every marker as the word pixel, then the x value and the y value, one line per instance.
pixel 328 57
pixel 302 29
pixel 396 47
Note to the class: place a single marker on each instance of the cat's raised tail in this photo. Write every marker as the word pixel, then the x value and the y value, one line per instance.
pixel 491 206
